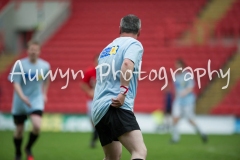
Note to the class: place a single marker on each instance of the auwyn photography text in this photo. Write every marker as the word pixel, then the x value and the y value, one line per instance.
pixel 154 74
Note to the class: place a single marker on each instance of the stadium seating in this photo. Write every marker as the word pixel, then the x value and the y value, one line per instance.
pixel 1 43
pixel 230 105
pixel 1 47
pixel 229 25
pixel 3 3
pixel 93 24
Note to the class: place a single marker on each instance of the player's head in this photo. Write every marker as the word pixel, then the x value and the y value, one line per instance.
pixel 33 50
pixel 130 24
pixel 180 63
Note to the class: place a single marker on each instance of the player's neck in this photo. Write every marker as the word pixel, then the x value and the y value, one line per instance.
pixel 33 61
pixel 129 35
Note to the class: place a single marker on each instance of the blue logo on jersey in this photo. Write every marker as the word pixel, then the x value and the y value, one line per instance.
pixel 109 51
pixel 33 77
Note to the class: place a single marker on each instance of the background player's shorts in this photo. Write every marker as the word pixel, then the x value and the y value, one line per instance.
pixel 115 123
pixel 187 111
pixel 20 119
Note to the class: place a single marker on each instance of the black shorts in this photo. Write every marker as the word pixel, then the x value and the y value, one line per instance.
pixel 20 119
pixel 115 123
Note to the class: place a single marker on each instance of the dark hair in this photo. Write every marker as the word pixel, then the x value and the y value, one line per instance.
pixel 130 24
pixel 181 62
pixel 33 42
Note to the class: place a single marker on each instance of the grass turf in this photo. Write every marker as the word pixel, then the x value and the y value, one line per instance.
pixel 75 146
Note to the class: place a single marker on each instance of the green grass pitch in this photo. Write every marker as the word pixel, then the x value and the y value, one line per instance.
pixel 75 146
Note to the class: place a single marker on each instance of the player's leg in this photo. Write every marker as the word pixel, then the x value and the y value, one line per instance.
pixel 94 136
pixel 18 134
pixel 168 117
pixel 113 151
pixel 111 146
pixel 133 142
pixel 189 111
pixel 36 119
pixel 168 121
pixel 176 113
pixel 94 133
pixel 128 133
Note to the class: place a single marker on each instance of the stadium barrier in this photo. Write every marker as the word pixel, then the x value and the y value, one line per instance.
pixel 149 123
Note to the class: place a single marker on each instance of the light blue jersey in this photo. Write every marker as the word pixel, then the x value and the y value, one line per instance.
pixel 181 85
pixel 31 89
pixel 108 87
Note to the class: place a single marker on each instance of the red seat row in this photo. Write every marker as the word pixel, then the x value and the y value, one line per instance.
pixel 229 25
pixel 231 102
pixel 93 25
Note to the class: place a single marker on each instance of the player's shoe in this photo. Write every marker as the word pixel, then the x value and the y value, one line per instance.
pixel 29 154
pixel 173 141
pixel 29 157
pixel 204 138
pixel 17 158
pixel 93 144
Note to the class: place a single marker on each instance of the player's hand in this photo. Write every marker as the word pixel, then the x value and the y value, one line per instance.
pixel 183 94
pixel 26 101
pixel 91 93
pixel 118 101
pixel 45 98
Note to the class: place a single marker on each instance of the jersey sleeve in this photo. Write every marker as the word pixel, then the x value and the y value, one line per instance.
pixel 16 74
pixel 134 52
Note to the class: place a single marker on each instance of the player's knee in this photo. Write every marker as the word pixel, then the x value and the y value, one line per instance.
pixel 36 129
pixel 144 151
pixel 18 134
pixel 19 131
pixel 141 152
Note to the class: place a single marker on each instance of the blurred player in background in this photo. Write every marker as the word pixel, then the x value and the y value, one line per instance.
pixel 88 85
pixel 29 98
pixel 168 108
pixel 184 103
pixel 114 96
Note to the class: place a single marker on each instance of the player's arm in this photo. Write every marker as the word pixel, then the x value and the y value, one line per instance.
pixel 20 93
pixel 85 87
pixel 189 88
pixel 127 69
pixel 16 81
pixel 46 85
pixel 187 91
pixel 131 57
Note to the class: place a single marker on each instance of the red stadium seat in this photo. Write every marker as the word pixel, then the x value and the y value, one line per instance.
pixel 230 105
pixel 92 25
pixel 229 25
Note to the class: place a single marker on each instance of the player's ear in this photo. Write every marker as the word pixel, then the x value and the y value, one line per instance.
pixel 138 34
pixel 120 30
